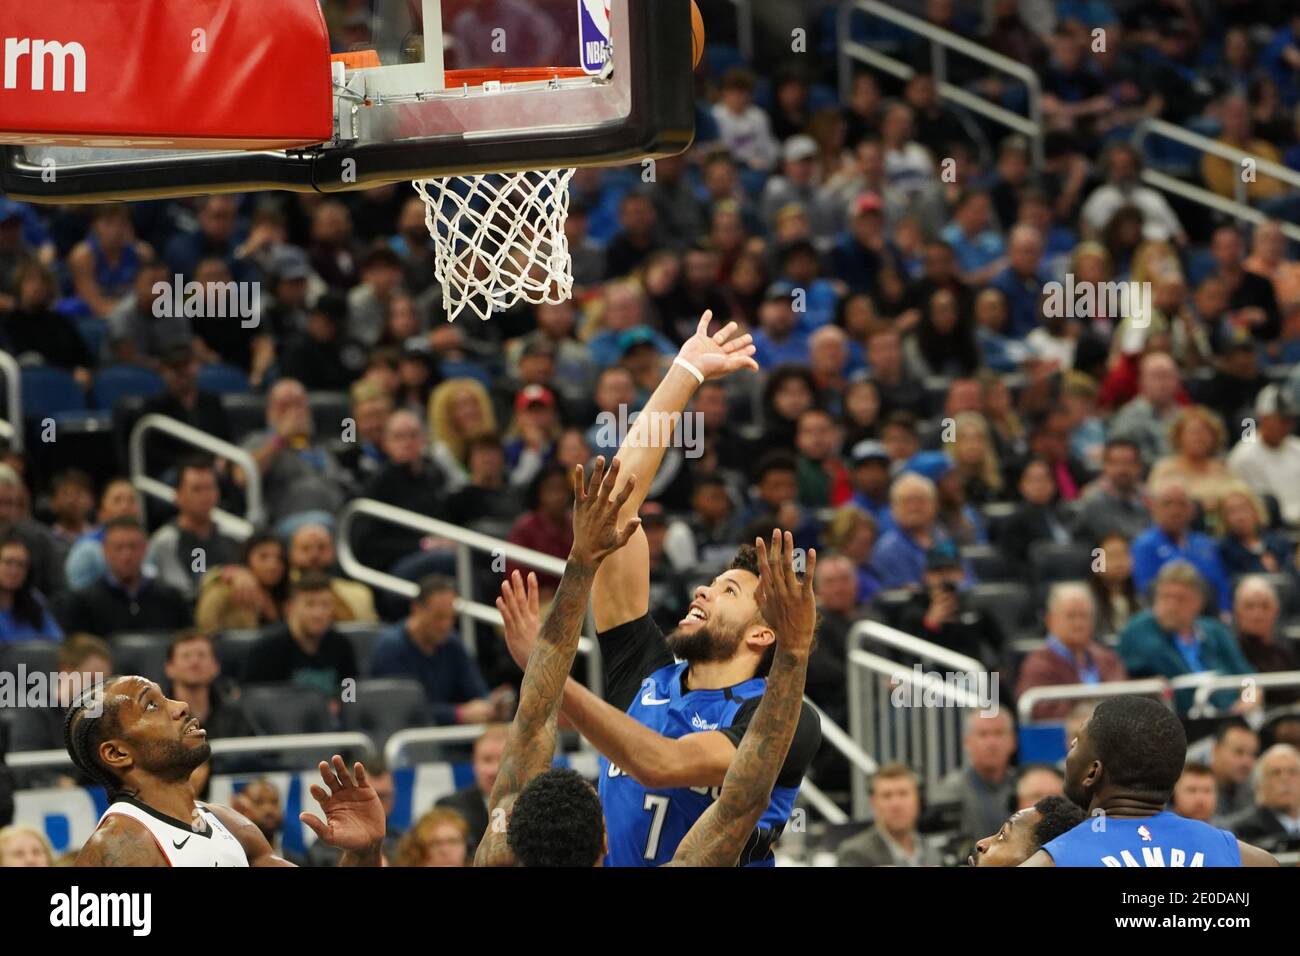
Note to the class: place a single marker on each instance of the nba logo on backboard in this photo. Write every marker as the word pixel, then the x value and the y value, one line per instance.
pixel 594 34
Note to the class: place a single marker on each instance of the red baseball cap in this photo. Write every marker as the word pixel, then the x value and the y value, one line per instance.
pixel 534 395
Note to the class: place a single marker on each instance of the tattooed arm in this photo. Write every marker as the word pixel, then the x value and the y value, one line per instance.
pixel 121 841
pixel 530 747
pixel 789 608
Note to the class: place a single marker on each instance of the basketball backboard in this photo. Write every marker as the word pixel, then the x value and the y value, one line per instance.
pixel 409 101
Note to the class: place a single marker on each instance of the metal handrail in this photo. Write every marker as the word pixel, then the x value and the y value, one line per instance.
pixel 398 742
pixel 862 695
pixel 11 427
pixel 835 735
pixel 234 525
pixel 1036 695
pixel 1217 682
pixel 466 541
pixel 1238 208
pixel 942 40
pixel 352 740
pixel 823 804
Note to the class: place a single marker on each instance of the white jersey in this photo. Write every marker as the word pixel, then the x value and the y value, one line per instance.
pixel 206 843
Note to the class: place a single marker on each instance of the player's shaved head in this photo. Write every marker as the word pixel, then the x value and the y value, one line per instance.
pixel 1132 748
pixel 557 821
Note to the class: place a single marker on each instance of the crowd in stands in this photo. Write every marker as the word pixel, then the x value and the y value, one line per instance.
pixel 1064 495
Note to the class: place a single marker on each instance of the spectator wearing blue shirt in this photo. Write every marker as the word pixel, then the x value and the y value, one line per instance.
pixel 864 250
pixel 899 556
pixel 624 311
pixel 1023 279
pixel 992 315
pixel 817 299
pixel 216 238
pixel 1170 538
pixel 23 613
pixel 978 247
pixel 1173 639
pixel 425 647
pixel 869 475
pixel 778 340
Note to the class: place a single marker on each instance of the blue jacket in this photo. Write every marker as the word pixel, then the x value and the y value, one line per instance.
pixel 1153 549
pixel 1149 651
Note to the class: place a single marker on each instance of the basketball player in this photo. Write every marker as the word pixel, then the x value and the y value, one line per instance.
pixel 1026 831
pixel 142 747
pixel 668 732
pixel 545 817
pixel 1121 769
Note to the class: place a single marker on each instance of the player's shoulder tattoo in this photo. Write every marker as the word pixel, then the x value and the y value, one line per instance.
pixel 121 841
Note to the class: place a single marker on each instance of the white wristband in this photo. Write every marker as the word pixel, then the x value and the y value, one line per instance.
pixel 699 376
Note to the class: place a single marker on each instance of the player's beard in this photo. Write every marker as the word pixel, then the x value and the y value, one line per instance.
pixel 704 644
pixel 171 759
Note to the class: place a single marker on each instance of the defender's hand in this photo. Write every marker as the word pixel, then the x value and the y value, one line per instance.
pixel 787 604
pixel 595 514
pixel 521 614
pixel 354 817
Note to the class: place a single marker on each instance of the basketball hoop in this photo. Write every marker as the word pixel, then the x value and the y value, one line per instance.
pixel 499 237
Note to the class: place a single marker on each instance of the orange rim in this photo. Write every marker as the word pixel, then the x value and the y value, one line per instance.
pixel 455 79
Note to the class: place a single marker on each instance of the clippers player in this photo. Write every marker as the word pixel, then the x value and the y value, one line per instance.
pixel 1121 769
pixel 142 747
pixel 668 732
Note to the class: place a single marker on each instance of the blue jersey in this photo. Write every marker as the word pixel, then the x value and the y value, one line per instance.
pixel 646 826
pixel 1165 839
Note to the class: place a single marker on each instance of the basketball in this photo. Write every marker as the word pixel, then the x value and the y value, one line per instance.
pixel 697 30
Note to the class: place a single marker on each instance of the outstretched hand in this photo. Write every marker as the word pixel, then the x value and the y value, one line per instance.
pixel 354 817
pixel 596 534
pixel 521 614
pixel 719 354
pixel 787 604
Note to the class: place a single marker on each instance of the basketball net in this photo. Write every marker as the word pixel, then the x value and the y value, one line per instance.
pixel 499 239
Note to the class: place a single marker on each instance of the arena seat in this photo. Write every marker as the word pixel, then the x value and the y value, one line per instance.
pixel 121 381
pixel 385 705
pixel 223 380
pixel 890 603
pixel 1010 603
pixel 286 709
pixel 48 391
pixel 232 650
pixel 328 409
pixel 144 654
pixel 245 413
pixel 1052 562
pixel 362 637
pixel 986 562
pixel 37 655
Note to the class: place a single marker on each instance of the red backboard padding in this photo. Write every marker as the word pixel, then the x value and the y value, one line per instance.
pixel 200 74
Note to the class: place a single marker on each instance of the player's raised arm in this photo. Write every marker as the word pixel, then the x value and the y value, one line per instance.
pixel 598 532
pixel 790 608
pixel 622 588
